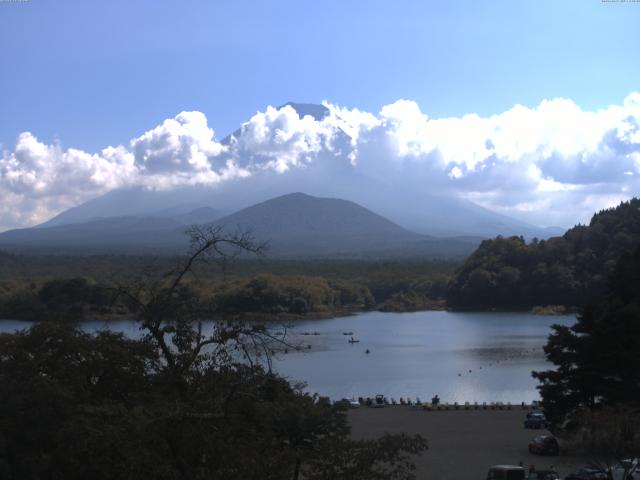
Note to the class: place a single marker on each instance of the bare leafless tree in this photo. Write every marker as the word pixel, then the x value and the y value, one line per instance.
pixel 171 315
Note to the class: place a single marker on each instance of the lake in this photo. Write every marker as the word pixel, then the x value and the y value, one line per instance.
pixel 483 357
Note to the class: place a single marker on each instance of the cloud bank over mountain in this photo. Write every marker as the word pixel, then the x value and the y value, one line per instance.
pixel 552 164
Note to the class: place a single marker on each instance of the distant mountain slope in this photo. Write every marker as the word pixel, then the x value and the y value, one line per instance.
pixel 569 270
pixel 428 215
pixel 300 215
pixel 448 216
pixel 302 225
pixel 118 234
pixel 200 215
pixel 138 202
pixel 424 212
pixel 295 226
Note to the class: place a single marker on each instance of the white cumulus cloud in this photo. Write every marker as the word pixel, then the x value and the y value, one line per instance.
pixel 178 151
pixel 552 163
pixel 279 139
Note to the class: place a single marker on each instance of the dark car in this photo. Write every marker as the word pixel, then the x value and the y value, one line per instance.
pixel 535 420
pixel 544 445
pixel 543 475
pixel 587 473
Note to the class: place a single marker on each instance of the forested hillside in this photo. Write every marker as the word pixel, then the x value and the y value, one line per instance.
pixel 570 270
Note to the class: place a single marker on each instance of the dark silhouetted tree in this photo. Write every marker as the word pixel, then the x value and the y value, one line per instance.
pixel 186 401
pixel 596 360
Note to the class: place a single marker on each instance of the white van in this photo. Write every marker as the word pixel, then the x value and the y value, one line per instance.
pixel 506 472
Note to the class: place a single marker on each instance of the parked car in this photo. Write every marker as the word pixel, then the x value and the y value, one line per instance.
pixel 543 475
pixel 534 413
pixel 587 473
pixel 379 401
pixel 544 445
pixel 535 420
pixel 627 469
pixel 506 472
pixel 353 403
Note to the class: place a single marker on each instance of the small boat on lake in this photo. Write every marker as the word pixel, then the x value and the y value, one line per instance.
pixel 353 340
pixel 347 333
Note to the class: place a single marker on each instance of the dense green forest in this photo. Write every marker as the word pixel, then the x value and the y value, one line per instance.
pixel 571 270
pixel 49 287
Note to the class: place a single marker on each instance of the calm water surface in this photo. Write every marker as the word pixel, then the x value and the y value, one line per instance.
pixel 460 356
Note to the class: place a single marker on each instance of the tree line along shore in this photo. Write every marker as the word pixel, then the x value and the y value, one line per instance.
pixel 268 289
pixel 553 276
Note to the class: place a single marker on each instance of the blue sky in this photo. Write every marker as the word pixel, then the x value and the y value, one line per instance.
pixel 100 86
pixel 94 73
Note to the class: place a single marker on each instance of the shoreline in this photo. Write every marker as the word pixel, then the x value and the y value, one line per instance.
pixel 550 310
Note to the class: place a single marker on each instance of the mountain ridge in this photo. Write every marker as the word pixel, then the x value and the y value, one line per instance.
pixel 296 225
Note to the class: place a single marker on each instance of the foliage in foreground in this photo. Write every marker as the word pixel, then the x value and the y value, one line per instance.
pixel 178 403
pixel 595 387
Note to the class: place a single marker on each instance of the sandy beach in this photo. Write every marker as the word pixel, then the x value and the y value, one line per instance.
pixel 463 444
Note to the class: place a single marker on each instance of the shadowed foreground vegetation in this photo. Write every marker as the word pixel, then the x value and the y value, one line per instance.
pixel 593 394
pixel 178 404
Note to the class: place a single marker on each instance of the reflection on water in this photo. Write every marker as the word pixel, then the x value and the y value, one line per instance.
pixel 459 356
pixel 495 354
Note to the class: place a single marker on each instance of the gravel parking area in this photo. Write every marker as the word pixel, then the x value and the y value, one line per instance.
pixel 463 444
